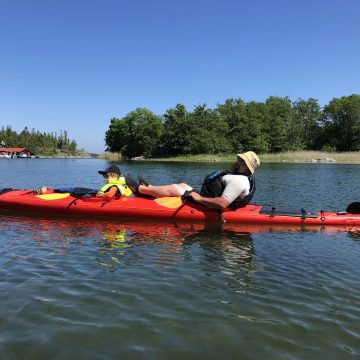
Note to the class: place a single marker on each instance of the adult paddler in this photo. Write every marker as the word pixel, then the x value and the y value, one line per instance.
pixel 220 190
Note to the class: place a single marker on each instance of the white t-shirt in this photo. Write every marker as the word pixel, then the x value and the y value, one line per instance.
pixel 235 185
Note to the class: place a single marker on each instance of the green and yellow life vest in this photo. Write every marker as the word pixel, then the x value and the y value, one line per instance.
pixel 120 184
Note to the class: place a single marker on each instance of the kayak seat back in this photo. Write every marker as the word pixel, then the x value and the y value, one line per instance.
pixel 353 208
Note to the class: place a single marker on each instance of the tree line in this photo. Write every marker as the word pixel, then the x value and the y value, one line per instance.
pixel 273 126
pixel 38 143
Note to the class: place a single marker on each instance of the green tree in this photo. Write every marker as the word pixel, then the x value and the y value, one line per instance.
pixel 38 143
pixel 278 122
pixel 197 132
pixel 24 138
pixel 176 129
pixel 138 133
pixel 255 137
pixel 116 136
pixel 207 133
pixel 233 111
pixel 342 123
pixel 306 123
pixel 9 136
pixel 246 125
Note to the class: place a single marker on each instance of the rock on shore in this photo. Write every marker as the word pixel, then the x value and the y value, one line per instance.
pixel 321 160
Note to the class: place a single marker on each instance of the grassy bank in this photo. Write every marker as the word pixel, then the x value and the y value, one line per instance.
pixel 288 157
pixel 313 156
pixel 109 156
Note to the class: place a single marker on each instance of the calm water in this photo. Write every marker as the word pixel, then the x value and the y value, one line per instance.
pixel 158 290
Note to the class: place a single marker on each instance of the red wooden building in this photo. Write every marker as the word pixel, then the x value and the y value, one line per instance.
pixel 15 152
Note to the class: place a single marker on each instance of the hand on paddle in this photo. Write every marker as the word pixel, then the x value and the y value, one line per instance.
pixel 197 197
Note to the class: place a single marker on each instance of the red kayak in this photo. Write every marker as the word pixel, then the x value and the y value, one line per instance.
pixel 164 208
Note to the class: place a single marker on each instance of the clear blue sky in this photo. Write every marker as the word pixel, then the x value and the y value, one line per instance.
pixel 74 64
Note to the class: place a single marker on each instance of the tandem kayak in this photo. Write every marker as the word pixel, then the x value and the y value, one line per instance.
pixel 164 208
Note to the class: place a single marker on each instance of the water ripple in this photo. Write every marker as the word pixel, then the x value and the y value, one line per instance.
pixel 105 289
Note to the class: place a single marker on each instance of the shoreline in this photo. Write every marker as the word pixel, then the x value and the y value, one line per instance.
pixel 296 157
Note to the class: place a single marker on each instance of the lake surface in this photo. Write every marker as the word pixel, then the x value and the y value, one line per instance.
pixel 95 289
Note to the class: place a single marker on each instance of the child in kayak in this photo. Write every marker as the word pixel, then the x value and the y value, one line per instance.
pixel 114 183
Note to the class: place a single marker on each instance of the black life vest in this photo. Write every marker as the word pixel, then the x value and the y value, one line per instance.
pixel 213 187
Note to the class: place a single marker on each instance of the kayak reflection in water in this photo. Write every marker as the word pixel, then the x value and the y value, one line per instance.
pixel 114 238
pixel 114 241
pixel 220 190
pixel 234 246
pixel 163 243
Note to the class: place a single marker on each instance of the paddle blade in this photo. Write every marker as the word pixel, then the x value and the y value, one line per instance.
pixel 55 196
pixel 169 202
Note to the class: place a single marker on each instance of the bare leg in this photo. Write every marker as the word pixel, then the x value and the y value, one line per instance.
pixel 164 190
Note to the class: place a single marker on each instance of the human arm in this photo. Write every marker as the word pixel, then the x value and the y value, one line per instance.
pixel 109 194
pixel 235 186
pixel 217 203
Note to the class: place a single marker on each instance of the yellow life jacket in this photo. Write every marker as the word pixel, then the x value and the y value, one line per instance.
pixel 120 184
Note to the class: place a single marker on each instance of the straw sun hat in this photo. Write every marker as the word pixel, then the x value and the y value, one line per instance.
pixel 251 159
